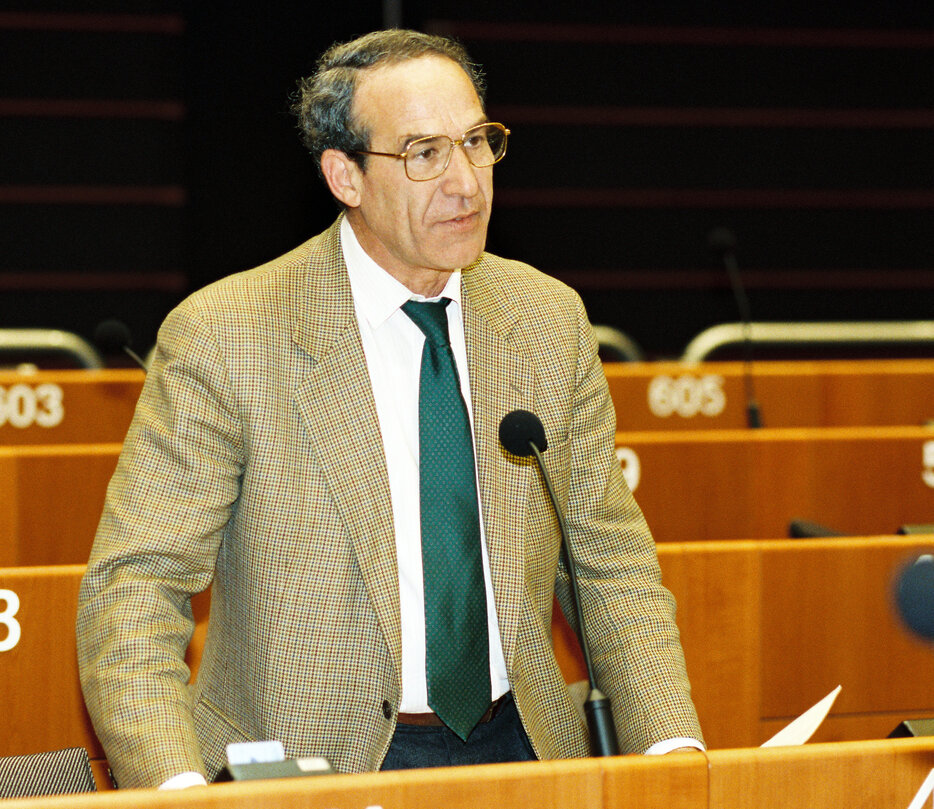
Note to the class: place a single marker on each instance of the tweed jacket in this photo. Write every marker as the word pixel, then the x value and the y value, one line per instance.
pixel 254 465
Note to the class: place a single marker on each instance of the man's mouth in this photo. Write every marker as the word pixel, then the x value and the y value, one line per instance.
pixel 462 218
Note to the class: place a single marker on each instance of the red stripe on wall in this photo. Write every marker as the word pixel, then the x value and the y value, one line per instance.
pixel 167 196
pixel 90 108
pixel 110 23
pixel 139 280
pixel 711 198
pixel 678 35
pixel 715 117
pixel 753 279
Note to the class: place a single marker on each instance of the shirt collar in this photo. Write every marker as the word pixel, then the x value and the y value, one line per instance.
pixel 377 295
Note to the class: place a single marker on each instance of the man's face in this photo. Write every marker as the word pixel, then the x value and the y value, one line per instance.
pixel 409 227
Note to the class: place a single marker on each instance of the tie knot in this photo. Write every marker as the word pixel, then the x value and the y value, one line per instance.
pixel 431 318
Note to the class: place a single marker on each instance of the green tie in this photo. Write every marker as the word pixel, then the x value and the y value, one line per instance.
pixel 457 648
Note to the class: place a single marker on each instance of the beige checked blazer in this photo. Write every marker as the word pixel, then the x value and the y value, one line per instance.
pixel 254 462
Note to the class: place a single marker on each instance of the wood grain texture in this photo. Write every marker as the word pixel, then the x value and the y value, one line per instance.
pixel 51 499
pixel 829 393
pixel 97 406
pixel 749 484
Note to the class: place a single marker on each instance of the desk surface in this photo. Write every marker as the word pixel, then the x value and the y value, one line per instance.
pixel 858 774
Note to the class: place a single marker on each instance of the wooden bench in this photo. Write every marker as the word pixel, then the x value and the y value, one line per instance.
pixel 681 396
pixel 747 484
pixel 62 407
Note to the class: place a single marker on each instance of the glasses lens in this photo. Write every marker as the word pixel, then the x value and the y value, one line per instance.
pixel 485 144
pixel 426 158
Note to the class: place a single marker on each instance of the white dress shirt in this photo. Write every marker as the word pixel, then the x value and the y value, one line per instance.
pixel 392 345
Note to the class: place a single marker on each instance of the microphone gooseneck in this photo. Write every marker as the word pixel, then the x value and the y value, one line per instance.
pixel 522 433
pixel 722 242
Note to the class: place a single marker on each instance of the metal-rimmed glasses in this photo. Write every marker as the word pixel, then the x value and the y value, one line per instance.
pixel 427 158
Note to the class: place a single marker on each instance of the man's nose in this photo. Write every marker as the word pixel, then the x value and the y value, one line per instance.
pixel 460 177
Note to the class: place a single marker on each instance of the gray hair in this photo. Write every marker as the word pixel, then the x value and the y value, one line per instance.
pixel 323 102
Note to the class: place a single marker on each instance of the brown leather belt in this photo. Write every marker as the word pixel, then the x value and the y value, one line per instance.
pixel 433 720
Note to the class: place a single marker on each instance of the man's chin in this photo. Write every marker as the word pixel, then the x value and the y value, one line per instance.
pixel 458 254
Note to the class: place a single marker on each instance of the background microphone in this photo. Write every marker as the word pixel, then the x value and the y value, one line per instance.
pixel 522 433
pixel 113 336
pixel 914 596
pixel 722 242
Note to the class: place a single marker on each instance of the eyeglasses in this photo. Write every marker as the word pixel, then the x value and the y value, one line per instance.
pixel 428 158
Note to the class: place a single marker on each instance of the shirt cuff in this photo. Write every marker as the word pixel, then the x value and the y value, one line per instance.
pixel 184 780
pixel 660 748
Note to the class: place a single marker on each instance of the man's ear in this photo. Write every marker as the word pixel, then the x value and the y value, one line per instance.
pixel 343 176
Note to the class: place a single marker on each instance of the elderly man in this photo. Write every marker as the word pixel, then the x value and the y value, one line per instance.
pixel 317 437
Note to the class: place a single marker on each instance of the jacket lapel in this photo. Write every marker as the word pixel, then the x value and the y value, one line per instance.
pixel 501 380
pixel 336 404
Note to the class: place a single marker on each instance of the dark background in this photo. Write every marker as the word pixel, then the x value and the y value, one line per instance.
pixel 146 149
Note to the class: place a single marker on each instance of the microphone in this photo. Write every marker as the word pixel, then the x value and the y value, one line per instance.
pixel 522 433
pixel 722 242
pixel 914 596
pixel 113 336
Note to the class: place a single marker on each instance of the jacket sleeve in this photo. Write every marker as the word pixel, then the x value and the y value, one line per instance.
pixel 634 641
pixel 173 492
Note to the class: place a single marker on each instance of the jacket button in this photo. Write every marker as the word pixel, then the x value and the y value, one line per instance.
pixel 387 709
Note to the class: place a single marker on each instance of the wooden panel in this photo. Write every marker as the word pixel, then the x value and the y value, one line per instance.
pixel 716 587
pixel 61 407
pixel 770 627
pixel 654 782
pixel 678 396
pixel 831 617
pixel 820 776
pixel 41 702
pixel 559 784
pixel 50 501
pixel 749 484
pixel 42 706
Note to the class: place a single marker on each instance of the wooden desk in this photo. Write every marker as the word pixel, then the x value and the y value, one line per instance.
pixel 771 626
pixel 42 706
pixel 768 628
pixel 866 774
pixel 96 406
pixel 50 501
pixel 874 775
pixel 725 484
pixel 61 407
pixel 829 393
pixel 41 702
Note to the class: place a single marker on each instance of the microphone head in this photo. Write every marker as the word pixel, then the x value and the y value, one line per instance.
pixel 721 240
pixel 520 428
pixel 914 596
pixel 111 336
